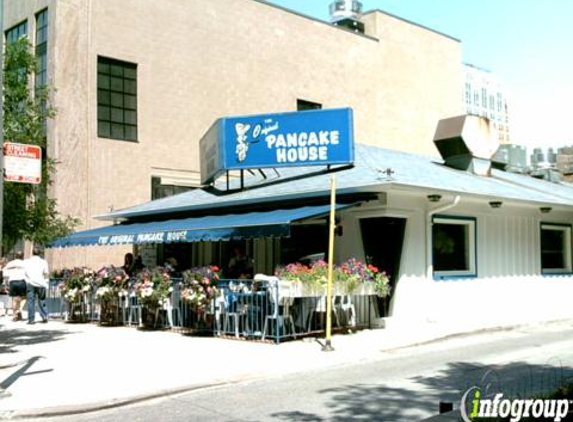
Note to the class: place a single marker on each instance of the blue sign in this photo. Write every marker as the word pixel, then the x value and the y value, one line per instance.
pixel 305 138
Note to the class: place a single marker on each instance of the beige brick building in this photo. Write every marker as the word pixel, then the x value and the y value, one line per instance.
pixel 138 82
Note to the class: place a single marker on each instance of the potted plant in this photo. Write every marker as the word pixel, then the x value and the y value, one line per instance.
pixel 199 290
pixel 112 285
pixel 76 288
pixel 153 289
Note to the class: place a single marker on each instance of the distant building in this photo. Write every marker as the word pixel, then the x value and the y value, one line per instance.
pixel 483 95
pixel 564 161
pixel 543 158
pixel 537 157
pixel 513 157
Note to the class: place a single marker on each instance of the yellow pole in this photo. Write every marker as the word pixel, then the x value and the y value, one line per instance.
pixel 328 346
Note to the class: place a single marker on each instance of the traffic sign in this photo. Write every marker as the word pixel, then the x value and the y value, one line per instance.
pixel 22 163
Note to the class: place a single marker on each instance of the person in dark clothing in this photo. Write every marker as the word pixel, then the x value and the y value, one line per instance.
pixel 240 265
pixel 128 264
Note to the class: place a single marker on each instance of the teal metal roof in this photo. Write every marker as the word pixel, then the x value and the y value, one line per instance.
pixel 411 171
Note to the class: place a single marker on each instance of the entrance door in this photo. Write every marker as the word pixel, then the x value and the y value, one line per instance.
pixel 382 238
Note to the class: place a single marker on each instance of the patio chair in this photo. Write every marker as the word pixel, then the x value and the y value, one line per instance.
pixel 281 301
pixel 320 308
pixel 233 314
pixel 346 307
pixel 134 310
pixel 217 309
pixel 169 310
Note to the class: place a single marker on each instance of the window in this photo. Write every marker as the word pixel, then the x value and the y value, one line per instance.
pixel 555 248
pixel 483 97
pixel 468 93
pixel 159 191
pixel 302 105
pixel 453 247
pixel 116 99
pixel 42 47
pixel 16 32
pixel 476 98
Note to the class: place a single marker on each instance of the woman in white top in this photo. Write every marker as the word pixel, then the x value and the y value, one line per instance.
pixel 14 270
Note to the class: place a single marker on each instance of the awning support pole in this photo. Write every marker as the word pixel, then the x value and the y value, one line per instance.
pixel 327 345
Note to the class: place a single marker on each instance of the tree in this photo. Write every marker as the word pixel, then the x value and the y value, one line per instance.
pixel 29 212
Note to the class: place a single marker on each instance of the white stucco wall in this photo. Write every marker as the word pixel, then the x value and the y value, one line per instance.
pixel 509 287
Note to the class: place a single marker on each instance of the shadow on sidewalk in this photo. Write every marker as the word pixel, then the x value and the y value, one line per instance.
pixel 380 402
pixel 12 338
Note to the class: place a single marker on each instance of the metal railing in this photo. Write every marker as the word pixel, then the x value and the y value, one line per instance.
pixel 247 309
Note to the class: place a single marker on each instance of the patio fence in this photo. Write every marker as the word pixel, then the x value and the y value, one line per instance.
pixel 247 309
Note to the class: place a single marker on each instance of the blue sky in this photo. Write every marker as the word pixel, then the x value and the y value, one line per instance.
pixel 526 43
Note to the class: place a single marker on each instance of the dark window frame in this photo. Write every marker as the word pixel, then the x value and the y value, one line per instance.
pixel 159 190
pixel 568 264
pixel 471 223
pixel 116 99
pixel 17 29
pixel 41 42
pixel 303 105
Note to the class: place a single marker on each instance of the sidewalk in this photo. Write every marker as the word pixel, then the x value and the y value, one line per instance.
pixel 59 368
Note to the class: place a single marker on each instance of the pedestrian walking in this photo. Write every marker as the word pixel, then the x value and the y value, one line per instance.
pixel 36 271
pixel 16 284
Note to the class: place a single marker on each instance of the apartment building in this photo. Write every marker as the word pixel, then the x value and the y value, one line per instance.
pixel 485 96
pixel 138 82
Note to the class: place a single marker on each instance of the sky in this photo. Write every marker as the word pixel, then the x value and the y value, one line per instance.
pixel 527 44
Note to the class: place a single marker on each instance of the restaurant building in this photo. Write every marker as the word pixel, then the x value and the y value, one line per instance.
pixel 137 84
pixel 464 243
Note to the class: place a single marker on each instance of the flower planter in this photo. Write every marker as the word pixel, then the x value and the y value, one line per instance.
pixel 299 289
pixel 148 321
pixel 77 312
pixel 110 313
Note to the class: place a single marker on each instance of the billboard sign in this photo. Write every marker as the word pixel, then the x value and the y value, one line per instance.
pixel 305 138
pixel 22 163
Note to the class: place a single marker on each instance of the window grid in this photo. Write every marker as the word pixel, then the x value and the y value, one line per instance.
pixel 42 48
pixel 117 99
pixel 468 93
pixel 16 32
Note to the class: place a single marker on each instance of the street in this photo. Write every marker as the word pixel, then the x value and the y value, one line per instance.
pixel 401 385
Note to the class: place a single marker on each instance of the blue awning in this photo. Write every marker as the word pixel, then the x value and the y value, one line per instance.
pixel 196 229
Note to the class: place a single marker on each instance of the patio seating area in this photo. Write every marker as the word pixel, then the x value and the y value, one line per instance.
pixel 263 309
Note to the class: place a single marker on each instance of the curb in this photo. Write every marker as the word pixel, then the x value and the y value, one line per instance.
pixel 115 403
pixel 477 332
pixel 107 404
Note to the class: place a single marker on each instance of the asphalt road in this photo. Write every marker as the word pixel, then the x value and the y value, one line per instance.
pixel 401 385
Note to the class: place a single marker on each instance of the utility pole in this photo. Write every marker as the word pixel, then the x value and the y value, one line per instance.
pixel 1 124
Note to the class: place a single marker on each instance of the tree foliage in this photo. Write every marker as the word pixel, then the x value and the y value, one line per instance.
pixel 29 212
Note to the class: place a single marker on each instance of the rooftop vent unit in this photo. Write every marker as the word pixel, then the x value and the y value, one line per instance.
pixel 467 143
pixel 347 14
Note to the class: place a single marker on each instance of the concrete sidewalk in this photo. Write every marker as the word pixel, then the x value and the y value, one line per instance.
pixel 59 368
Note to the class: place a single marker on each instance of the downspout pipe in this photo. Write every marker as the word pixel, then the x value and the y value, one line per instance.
pixel 429 214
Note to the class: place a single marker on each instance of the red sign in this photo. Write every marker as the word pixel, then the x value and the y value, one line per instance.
pixel 22 163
